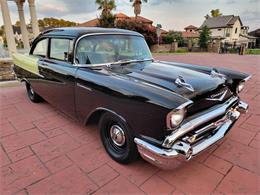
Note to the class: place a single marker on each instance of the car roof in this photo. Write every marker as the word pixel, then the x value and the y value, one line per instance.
pixel 78 31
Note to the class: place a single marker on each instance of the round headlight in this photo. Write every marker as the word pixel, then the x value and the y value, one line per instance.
pixel 175 118
pixel 240 87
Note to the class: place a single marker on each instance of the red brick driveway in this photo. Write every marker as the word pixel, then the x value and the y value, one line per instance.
pixel 44 152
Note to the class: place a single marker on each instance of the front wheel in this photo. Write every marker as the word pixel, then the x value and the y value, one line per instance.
pixel 117 139
pixel 33 96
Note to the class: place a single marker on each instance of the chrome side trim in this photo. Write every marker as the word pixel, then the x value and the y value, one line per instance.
pixel 197 120
pixel 84 87
pixel 184 105
pixel 38 74
pixel 247 78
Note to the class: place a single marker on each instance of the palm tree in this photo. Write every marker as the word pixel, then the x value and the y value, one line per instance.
pixel 106 6
pixel 106 19
pixel 137 6
pixel 215 13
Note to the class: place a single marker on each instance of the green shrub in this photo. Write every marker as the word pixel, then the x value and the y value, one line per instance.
pixel 168 39
pixel 174 35
pixel 204 37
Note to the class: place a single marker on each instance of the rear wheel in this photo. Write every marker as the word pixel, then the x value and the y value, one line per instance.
pixel 33 96
pixel 117 139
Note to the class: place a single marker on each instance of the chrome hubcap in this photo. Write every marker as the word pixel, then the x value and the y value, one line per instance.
pixel 117 135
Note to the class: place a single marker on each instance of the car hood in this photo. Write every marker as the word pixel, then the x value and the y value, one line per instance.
pixel 164 76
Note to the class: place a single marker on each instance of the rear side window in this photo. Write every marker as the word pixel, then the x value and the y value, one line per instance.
pixel 41 48
pixel 60 48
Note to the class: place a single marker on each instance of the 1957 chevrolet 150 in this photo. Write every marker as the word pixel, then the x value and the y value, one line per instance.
pixel 164 111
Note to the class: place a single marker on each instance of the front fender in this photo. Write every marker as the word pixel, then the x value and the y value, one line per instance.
pixel 233 78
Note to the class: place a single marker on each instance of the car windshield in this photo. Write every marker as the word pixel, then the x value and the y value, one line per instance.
pixel 99 49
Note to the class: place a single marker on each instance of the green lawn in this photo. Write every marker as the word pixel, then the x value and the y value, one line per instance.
pixel 253 51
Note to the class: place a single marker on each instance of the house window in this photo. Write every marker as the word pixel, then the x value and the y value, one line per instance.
pixel 219 29
pixel 228 32
pixel 236 31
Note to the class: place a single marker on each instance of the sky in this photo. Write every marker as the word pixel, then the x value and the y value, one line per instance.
pixel 171 14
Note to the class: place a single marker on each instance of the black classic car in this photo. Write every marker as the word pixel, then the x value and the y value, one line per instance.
pixel 164 111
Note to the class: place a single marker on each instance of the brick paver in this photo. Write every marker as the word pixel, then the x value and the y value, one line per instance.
pixel 44 152
pixel 69 181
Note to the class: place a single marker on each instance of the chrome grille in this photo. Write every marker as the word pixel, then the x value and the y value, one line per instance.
pixel 204 101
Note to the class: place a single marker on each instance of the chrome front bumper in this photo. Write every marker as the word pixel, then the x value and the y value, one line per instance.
pixel 178 147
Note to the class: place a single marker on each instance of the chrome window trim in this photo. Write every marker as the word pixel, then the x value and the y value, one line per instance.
pixel 94 34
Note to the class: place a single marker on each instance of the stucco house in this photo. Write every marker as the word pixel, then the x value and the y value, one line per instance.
pixel 124 17
pixel 119 17
pixel 191 36
pixel 230 29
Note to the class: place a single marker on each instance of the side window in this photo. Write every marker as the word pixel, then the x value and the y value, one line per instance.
pixel 41 48
pixel 60 49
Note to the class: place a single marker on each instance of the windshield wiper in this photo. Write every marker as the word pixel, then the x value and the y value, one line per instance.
pixel 120 62
pixel 130 61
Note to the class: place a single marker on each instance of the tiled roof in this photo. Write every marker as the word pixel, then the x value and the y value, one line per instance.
pixel 90 23
pixel 190 34
pixel 255 33
pixel 141 19
pixel 190 27
pixel 248 36
pixel 233 20
pixel 121 15
pixel 220 21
